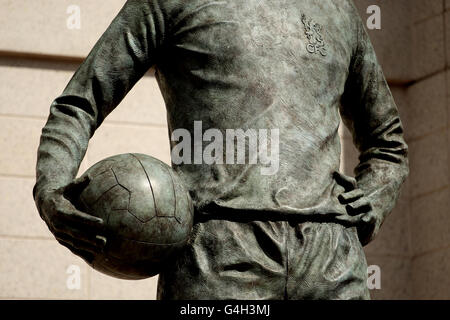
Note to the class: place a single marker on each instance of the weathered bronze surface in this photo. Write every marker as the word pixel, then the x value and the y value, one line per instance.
pixel 290 65
pixel 148 214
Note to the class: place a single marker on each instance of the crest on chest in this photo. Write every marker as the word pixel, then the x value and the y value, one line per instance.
pixel 313 32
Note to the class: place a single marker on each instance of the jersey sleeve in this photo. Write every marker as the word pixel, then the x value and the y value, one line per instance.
pixel 123 54
pixel 369 111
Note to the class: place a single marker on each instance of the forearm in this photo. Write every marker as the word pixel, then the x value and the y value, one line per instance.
pixel 63 143
pixel 383 166
pixel 369 111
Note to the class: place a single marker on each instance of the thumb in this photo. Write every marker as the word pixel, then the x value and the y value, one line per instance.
pixel 73 190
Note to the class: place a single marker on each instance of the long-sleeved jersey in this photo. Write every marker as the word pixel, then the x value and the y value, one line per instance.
pixel 290 65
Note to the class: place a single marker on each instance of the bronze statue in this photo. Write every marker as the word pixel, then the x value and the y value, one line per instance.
pixel 290 66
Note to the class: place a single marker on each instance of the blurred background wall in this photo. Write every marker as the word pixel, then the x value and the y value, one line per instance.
pixel 41 46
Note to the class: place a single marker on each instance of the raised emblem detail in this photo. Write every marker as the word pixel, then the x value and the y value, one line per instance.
pixel 313 33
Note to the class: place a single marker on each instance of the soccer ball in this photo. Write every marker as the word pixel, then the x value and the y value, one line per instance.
pixel 147 212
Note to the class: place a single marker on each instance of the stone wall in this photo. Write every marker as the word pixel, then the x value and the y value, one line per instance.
pixel 38 55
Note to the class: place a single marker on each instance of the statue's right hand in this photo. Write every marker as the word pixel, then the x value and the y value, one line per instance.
pixel 80 232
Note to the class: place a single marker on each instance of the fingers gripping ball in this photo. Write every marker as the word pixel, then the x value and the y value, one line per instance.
pixel 147 212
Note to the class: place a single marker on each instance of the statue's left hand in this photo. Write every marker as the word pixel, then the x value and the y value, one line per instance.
pixel 360 212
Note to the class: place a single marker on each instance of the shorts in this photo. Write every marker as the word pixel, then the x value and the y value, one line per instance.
pixel 274 260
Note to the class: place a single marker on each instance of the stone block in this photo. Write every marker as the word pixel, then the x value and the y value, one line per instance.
pixel 20 217
pixel 19 145
pixel 38 269
pixel 424 9
pixel 429 167
pixel 428 47
pixel 430 222
pixel 427 111
pixel 430 275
